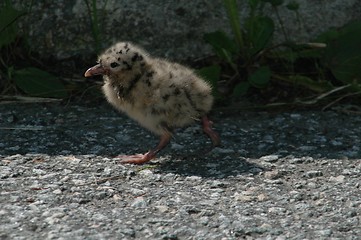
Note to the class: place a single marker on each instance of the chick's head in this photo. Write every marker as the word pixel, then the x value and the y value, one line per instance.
pixel 121 59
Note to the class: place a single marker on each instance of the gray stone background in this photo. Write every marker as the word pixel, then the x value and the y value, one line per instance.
pixel 172 29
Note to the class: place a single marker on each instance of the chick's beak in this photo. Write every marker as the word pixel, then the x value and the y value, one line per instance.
pixel 96 70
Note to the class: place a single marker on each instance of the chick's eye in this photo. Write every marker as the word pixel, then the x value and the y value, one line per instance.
pixel 114 64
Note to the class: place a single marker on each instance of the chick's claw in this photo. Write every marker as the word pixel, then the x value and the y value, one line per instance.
pixel 135 159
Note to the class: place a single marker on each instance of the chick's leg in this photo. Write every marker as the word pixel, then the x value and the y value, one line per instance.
pixel 143 158
pixel 207 128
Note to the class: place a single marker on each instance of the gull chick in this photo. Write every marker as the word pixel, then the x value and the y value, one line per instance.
pixel 159 94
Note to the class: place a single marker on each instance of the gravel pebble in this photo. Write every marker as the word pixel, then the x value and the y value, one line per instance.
pixel 276 176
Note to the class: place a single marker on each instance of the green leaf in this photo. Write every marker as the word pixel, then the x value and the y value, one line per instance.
pixel 260 77
pixel 343 54
pixel 328 36
pixel 334 33
pixel 223 46
pixel 39 83
pixel 212 75
pixel 8 27
pixel 219 40
pixel 259 31
pixel 353 26
pixel 241 89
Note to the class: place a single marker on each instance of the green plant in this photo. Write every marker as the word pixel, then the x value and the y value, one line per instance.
pixel 8 30
pixel 243 52
pixel 248 60
pixel 30 80
pixel 95 22
pixel 343 53
pixel 336 64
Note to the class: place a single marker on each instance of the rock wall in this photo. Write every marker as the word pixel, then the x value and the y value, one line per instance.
pixel 171 29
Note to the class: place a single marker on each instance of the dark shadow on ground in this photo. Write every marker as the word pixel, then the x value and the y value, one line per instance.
pixel 209 167
pixel 101 131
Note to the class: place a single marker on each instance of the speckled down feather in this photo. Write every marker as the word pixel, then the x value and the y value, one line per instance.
pixel 159 94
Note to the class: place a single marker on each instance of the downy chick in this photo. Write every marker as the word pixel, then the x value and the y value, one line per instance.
pixel 159 94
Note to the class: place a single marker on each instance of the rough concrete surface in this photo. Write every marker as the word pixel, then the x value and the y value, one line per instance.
pixel 172 29
pixel 286 175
